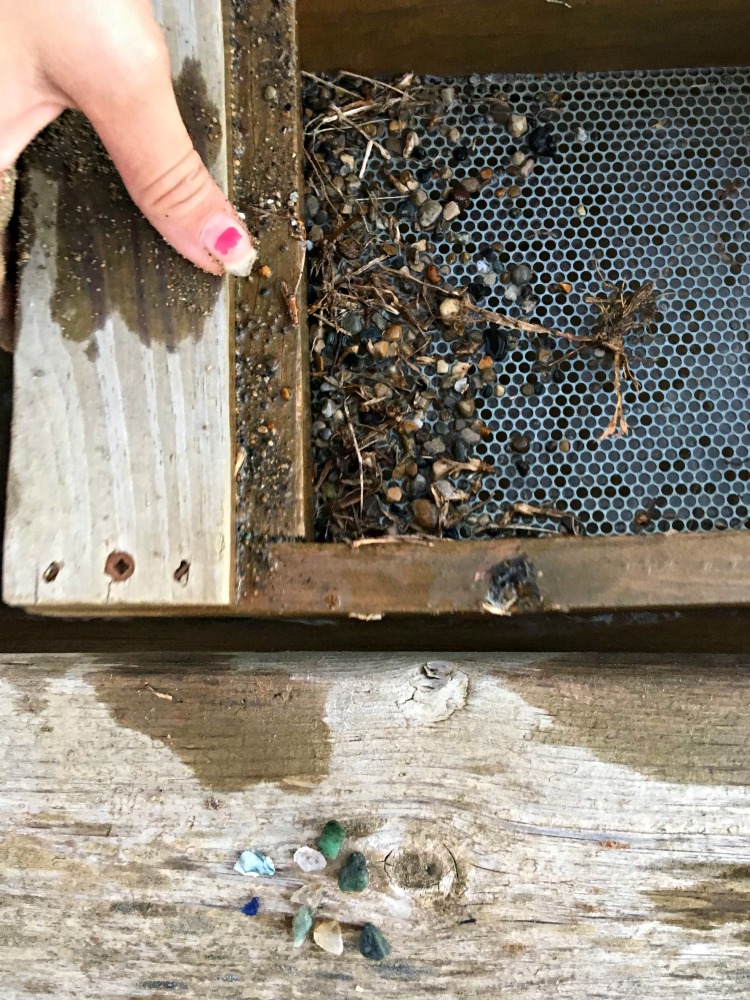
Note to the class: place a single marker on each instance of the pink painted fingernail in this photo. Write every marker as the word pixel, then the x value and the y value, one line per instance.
pixel 228 243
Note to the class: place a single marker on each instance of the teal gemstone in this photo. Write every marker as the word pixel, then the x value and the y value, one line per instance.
pixel 331 839
pixel 353 877
pixel 301 925
pixel 372 944
pixel 254 863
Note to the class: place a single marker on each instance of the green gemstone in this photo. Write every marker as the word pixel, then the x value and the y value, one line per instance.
pixel 372 944
pixel 353 876
pixel 301 925
pixel 331 839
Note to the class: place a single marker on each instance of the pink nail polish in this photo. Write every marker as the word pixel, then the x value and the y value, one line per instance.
pixel 228 243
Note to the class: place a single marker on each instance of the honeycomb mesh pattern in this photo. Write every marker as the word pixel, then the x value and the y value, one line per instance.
pixel 651 181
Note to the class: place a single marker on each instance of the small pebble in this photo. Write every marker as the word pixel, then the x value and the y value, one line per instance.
pixel 523 468
pixel 451 211
pixel 581 211
pixel 442 367
pixel 514 191
pixel 466 407
pixel 309 860
pixel 527 389
pixel 495 343
pixel 471 184
pixel 461 196
pixel 425 514
pixel 517 158
pixel 315 234
pixel 330 841
pixel 433 275
pixel 499 391
pixel 250 909
pixel 394 494
pixel 327 935
pixel 301 925
pixel 521 274
pixel 582 135
pixel 542 142
pixel 428 214
pixel 394 333
pixel 270 93
pixel 518 125
pixel 527 169
pixel 372 944
pixel 354 876
pixel 254 863
pixel 520 444
pixel 389 249
pixel 450 309
pixel 564 445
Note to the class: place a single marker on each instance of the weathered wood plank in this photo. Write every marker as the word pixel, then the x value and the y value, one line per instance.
pixel 567 826
pixel 274 481
pixel 536 36
pixel 505 577
pixel 121 428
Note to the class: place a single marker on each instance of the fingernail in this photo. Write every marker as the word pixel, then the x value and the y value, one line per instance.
pixel 228 243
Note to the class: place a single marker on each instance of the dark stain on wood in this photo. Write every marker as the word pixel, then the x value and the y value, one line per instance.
pixel 233 730
pixel 721 897
pixel 651 717
pixel 109 259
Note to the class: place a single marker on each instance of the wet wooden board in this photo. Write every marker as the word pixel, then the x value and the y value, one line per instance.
pixel 567 826
pixel 274 480
pixel 505 578
pixel 122 438
pixel 533 36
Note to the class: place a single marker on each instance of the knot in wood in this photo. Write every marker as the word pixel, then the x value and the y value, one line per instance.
pixel 422 871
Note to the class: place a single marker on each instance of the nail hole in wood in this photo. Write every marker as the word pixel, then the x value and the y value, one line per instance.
pixel 182 573
pixel 120 566
pixel 51 572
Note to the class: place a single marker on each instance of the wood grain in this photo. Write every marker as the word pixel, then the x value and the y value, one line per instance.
pixel 533 36
pixel 121 428
pixel 274 481
pixel 469 578
pixel 567 826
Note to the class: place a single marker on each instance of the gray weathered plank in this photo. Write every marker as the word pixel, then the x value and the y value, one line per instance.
pixel 122 439
pixel 573 826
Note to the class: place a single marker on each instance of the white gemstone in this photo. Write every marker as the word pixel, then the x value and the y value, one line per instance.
pixel 309 860
pixel 309 895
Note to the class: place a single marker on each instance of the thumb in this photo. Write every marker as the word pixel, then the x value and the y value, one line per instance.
pixel 144 134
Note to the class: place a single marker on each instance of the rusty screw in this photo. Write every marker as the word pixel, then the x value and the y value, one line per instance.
pixel 120 566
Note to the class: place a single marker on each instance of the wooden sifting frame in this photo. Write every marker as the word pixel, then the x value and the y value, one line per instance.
pixel 151 475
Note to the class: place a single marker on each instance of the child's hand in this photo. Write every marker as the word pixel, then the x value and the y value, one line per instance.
pixel 108 59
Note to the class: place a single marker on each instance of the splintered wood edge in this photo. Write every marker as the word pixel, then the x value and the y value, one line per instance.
pixel 504 578
pixel 274 459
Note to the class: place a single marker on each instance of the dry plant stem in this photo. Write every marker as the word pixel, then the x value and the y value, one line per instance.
pixel 350 425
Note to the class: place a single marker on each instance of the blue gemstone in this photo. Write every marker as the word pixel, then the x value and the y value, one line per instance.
pixel 251 908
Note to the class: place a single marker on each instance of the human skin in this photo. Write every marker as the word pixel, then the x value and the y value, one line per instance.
pixel 108 59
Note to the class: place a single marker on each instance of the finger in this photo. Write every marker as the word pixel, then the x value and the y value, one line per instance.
pixel 7 185
pixel 140 125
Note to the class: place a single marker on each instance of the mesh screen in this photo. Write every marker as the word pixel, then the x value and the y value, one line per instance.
pixel 651 181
